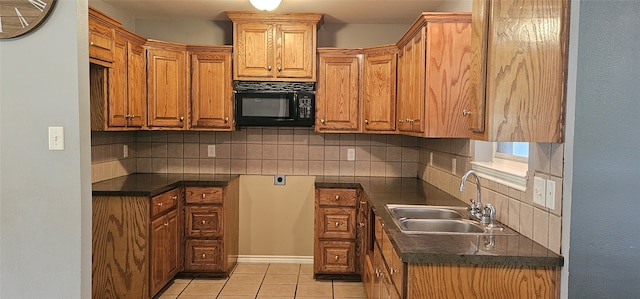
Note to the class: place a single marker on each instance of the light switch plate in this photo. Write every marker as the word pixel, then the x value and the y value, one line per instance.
pixel 551 194
pixel 56 138
pixel 539 191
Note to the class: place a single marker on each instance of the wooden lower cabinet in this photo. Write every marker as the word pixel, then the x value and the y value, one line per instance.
pixel 135 244
pixel 211 229
pixel 335 239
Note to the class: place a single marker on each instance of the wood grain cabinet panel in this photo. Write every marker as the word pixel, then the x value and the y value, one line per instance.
pixel 338 92
pixel 518 74
pixel 379 90
pixel 101 37
pixel 211 88
pixel 167 85
pixel 433 76
pixel 274 47
pixel 206 255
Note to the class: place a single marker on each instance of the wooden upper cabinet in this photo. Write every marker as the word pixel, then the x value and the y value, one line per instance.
pixel 211 88
pixel 433 76
pixel 127 101
pixel 167 76
pixel 338 92
pixel 379 89
pixel 101 37
pixel 274 47
pixel 519 64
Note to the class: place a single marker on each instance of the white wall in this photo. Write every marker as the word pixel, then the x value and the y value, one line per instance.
pixel 45 196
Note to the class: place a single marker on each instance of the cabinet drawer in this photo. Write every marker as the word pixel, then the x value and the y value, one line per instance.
pixel 164 202
pixel 204 221
pixel 205 255
pixel 337 256
pixel 336 223
pixel 203 194
pixel 337 197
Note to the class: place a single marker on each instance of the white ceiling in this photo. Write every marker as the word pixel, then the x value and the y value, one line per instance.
pixel 336 11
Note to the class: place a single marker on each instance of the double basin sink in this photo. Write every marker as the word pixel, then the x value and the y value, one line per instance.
pixel 424 219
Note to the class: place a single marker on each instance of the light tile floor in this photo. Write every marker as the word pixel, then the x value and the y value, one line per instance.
pixel 264 281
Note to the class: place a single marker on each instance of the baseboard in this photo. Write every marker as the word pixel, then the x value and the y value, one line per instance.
pixel 275 259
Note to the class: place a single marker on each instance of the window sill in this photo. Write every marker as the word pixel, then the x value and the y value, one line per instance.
pixel 509 173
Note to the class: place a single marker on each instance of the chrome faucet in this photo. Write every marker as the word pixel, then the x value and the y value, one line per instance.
pixel 486 214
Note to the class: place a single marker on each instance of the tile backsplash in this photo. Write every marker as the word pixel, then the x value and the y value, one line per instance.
pixel 301 151
pixel 256 150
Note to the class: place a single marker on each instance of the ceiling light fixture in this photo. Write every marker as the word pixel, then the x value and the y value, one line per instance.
pixel 265 4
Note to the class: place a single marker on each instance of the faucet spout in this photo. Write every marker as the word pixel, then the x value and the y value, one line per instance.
pixel 477 179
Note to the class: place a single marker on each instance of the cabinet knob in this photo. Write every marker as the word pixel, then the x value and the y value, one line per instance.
pixel 378 272
pixel 204 255
pixel 466 112
pixel 337 257
pixel 166 224
pixel 269 67
pixel 322 121
pixel 279 68
pixel 90 43
pixel 181 118
pixel 337 224
pixel 337 197
pixel 400 121
pixel 361 224
pixel 159 204
pixel 174 197
pixel 204 195
pixel 366 121
pixel 393 271
pixel 203 222
pixel 226 119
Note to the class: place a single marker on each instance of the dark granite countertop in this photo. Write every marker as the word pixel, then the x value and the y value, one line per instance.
pixel 147 184
pixel 516 250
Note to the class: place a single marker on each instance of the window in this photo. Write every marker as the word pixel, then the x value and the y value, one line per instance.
pixel 504 162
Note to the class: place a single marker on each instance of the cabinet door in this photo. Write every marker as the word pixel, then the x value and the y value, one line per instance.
pixel 379 98
pixel 295 51
pixel 211 91
pixel 172 246
pixel 167 88
pixel 118 86
pixel 416 80
pixel 136 85
pixel 158 261
pixel 477 88
pixel 254 50
pixel 101 40
pixel 337 98
pixel 447 79
pixel 526 62
pixel 403 104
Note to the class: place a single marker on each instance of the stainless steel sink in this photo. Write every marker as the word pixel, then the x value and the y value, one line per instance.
pixel 425 219
pixel 425 212
pixel 448 226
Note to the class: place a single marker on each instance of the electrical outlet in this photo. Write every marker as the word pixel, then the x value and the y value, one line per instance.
pixel 351 154
pixel 539 191
pixel 211 150
pixel 551 194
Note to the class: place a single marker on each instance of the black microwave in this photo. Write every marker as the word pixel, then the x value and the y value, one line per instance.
pixel 275 108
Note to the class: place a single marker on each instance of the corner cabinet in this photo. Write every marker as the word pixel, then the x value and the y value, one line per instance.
pixel 433 76
pixel 211 229
pixel 167 85
pixel 338 92
pixel 139 235
pixel 274 47
pixel 211 88
pixel 335 240
pixel 519 62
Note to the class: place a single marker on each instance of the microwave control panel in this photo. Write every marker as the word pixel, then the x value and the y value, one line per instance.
pixel 305 106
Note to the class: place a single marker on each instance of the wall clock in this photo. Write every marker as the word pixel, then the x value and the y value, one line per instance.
pixel 18 17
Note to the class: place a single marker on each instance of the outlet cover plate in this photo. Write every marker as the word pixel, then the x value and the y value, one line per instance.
pixel 539 191
pixel 550 194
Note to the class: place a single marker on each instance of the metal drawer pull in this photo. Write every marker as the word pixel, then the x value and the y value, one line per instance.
pixel 166 224
pixel 174 197
pixel 159 204
pixel 337 197
pixel 337 257
pixel 466 112
pixel 361 224
pixel 204 255
pixel 337 224
pixel 203 222
pixel 393 271
pixel 204 195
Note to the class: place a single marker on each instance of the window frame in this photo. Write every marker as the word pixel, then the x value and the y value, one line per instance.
pixel 502 168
